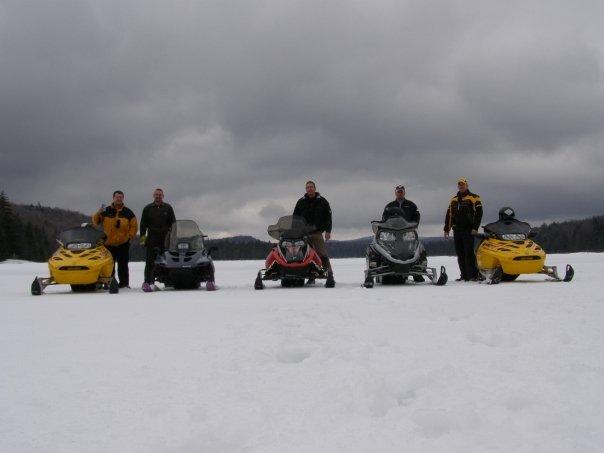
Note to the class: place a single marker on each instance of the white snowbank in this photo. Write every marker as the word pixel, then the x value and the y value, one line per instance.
pixel 465 367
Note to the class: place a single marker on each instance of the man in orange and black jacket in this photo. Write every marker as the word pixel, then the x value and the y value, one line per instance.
pixel 120 226
pixel 463 217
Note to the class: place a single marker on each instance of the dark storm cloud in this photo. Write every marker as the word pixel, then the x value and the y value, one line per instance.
pixel 232 106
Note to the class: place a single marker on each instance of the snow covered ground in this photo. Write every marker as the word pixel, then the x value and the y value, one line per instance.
pixel 465 367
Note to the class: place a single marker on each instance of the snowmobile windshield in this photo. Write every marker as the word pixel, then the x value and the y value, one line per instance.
pixel 184 236
pixel 81 238
pixel 393 223
pixel 290 227
pixel 509 230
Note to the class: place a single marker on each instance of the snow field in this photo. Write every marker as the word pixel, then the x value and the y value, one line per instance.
pixel 464 367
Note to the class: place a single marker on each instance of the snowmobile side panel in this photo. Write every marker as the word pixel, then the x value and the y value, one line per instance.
pixel 84 267
pixel 514 257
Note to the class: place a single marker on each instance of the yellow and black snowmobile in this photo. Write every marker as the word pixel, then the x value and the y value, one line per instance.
pixel 508 250
pixel 81 261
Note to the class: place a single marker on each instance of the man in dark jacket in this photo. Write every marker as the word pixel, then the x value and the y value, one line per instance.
pixel 316 211
pixel 156 220
pixel 463 217
pixel 410 212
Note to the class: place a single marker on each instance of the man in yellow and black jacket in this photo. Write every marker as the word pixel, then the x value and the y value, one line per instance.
pixel 120 226
pixel 463 217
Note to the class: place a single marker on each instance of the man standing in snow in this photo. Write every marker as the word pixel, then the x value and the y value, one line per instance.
pixel 156 220
pixel 316 211
pixel 410 212
pixel 463 217
pixel 119 225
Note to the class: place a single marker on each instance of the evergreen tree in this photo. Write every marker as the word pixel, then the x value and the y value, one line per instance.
pixel 9 227
pixel 4 251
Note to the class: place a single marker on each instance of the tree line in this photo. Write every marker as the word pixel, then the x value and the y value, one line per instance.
pixel 28 232
pixel 21 239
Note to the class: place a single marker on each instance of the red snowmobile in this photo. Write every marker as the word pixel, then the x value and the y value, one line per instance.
pixel 293 259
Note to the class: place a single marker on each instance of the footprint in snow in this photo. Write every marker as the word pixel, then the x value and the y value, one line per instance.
pixel 292 354
pixel 491 340
pixel 383 401
pixel 434 424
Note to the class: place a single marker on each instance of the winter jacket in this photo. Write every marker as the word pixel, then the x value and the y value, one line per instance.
pixel 316 211
pixel 464 212
pixel 156 221
pixel 410 212
pixel 119 225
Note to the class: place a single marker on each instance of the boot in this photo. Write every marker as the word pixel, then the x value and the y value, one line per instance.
pixel 147 288
pixel 330 282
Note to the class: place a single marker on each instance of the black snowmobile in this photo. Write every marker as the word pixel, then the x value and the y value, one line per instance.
pixel 396 253
pixel 186 262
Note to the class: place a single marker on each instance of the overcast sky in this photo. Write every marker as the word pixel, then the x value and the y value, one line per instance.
pixel 231 106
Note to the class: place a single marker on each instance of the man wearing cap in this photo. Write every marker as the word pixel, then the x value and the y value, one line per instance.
pixel 463 217
pixel 410 212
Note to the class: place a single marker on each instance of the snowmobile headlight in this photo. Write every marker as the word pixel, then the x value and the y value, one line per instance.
pixel 408 236
pixel 183 246
pixel 513 237
pixel 79 245
pixel 387 236
pixel 293 250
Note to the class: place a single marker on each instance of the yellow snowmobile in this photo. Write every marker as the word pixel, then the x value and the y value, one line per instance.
pixel 81 261
pixel 507 250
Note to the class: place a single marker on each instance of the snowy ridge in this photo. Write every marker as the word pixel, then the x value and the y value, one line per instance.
pixel 465 367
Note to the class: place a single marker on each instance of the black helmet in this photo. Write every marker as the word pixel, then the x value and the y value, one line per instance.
pixel 506 213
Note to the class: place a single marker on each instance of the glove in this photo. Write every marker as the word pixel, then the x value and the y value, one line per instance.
pixel 142 240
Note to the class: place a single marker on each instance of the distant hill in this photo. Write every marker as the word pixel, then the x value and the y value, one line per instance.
pixel 53 220
pixel 29 232
pixel 585 235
